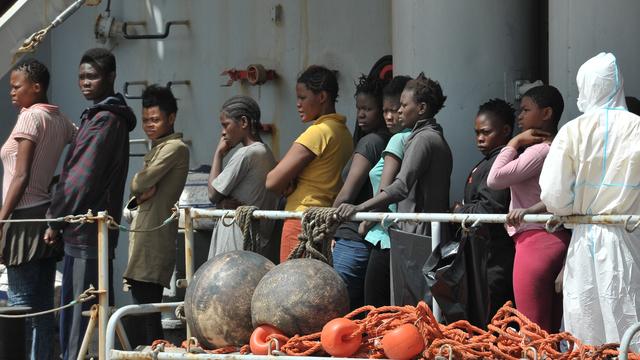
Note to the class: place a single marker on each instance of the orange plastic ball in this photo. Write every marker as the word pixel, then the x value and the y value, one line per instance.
pixel 403 342
pixel 336 337
pixel 258 341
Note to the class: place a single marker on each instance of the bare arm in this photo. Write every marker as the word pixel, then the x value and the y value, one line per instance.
pixel 391 168
pixel 296 159
pixel 216 168
pixel 358 174
pixel 24 160
pixel 381 200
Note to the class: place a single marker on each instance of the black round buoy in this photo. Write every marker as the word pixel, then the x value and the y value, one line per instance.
pixel 12 333
pixel 218 300
pixel 299 296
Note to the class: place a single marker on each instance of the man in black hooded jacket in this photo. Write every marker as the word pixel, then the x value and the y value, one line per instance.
pixel 93 177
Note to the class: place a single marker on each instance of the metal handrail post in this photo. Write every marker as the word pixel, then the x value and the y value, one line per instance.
pixel 189 267
pixel 117 316
pixel 103 282
pixel 435 240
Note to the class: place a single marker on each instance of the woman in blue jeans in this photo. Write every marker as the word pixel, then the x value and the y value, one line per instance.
pixel 351 252
pixel 29 158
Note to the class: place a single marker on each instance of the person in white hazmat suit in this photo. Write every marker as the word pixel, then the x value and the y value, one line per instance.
pixel 593 168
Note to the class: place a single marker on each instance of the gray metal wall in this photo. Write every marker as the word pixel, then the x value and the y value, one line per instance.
pixel 579 30
pixel 346 36
pixel 476 50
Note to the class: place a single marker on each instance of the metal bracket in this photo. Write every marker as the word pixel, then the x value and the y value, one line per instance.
pixel 145 142
pixel 164 35
pixel 255 74
pixel 145 83
pixel 178 82
pixel 125 89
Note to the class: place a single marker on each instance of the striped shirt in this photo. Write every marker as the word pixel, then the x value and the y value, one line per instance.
pixel 44 125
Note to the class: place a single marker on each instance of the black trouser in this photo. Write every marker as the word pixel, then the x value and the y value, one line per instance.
pixel 377 282
pixel 150 324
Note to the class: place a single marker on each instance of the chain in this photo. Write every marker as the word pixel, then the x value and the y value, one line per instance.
pixel 113 224
pixel 30 44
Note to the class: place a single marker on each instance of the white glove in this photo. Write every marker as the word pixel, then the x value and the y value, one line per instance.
pixel 130 210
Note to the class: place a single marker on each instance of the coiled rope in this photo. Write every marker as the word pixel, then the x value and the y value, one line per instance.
pixel 318 227
pixel 249 226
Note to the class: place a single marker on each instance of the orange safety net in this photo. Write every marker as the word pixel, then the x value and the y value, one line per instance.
pixel 465 341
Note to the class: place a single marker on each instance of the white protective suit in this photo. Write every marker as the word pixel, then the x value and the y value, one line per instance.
pixel 593 167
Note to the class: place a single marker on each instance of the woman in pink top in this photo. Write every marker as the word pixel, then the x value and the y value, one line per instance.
pixel 29 157
pixel 539 255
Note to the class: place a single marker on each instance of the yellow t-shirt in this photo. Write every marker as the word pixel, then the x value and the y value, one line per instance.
pixel 320 181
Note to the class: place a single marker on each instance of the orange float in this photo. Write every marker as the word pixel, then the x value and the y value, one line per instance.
pixel 258 342
pixel 337 340
pixel 403 342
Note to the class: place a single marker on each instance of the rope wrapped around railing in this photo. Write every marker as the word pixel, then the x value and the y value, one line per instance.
pixel 552 222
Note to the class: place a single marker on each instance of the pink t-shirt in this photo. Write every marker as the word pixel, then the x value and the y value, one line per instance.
pixel 44 125
pixel 520 174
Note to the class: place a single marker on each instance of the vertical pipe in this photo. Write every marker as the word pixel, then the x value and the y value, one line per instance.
pixel 103 282
pixel 435 240
pixel 189 269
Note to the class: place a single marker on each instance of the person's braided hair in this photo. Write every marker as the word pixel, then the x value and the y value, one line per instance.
pixel 371 86
pixel 241 105
pixel 35 71
pixel 318 78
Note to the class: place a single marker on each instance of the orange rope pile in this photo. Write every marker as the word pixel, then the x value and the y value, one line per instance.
pixel 467 342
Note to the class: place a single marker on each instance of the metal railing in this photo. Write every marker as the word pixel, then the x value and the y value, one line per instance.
pixel 107 328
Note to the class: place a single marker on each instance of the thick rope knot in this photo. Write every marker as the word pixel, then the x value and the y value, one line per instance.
pixel 179 313
pixel 249 226
pixel 318 228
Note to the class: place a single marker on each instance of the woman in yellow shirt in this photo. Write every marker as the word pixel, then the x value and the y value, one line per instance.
pixel 309 174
